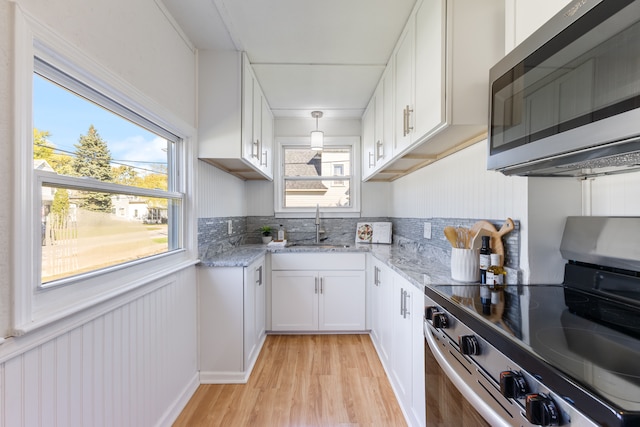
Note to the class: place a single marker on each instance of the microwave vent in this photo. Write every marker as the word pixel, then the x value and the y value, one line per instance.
pixel 615 161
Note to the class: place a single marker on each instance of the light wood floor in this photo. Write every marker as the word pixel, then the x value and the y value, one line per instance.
pixel 302 380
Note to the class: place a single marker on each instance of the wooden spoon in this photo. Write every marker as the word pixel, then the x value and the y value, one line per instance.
pixel 451 235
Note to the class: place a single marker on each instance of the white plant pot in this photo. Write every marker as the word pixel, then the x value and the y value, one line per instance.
pixel 266 239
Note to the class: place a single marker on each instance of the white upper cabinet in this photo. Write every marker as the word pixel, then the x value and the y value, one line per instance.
pixel 441 65
pixel 369 138
pixel 404 88
pixel 377 126
pixel 235 124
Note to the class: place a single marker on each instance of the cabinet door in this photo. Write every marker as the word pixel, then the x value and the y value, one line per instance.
pixel 294 300
pixel 387 116
pixel 249 152
pixel 382 326
pixel 261 301
pixel 368 139
pixel 401 358
pixel 429 67
pixel 404 88
pixel 342 301
pixel 257 122
pixel 250 341
pixel 254 310
pixel 266 152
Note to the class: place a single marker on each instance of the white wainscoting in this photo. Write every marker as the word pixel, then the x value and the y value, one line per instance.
pixel 459 186
pixel 133 366
pixel 219 194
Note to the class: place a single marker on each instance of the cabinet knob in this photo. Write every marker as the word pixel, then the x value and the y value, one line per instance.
pixel 542 410
pixel 513 385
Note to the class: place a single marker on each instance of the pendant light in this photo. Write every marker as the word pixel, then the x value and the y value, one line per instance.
pixel 317 136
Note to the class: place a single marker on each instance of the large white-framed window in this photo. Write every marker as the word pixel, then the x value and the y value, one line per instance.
pixel 327 179
pixel 104 201
pixel 102 205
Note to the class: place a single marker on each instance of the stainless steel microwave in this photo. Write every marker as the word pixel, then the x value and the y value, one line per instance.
pixel 566 101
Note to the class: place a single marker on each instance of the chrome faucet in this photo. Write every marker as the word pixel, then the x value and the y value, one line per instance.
pixel 317 223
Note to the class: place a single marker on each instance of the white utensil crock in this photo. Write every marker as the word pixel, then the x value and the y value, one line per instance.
pixel 465 265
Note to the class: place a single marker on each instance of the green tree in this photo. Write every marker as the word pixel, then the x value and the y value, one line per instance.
pixel 93 160
pixel 125 175
pixel 43 149
pixel 60 207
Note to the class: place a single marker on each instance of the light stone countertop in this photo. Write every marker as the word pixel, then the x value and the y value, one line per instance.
pixel 418 269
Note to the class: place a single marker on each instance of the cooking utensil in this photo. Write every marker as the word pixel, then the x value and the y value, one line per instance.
pixel 497 247
pixel 451 235
pixel 496 242
pixel 507 227
pixel 463 237
pixel 476 240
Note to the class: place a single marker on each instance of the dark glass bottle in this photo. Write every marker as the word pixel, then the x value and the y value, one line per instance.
pixel 485 258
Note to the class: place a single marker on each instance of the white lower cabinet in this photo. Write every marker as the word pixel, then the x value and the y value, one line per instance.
pixel 397 332
pixel 231 313
pixel 305 298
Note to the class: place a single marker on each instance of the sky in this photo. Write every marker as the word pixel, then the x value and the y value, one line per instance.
pixel 66 117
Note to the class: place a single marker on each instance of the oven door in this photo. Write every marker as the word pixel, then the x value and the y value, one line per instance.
pixel 445 404
pixel 454 396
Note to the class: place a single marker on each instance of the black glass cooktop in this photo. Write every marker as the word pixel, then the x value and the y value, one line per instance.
pixel 586 362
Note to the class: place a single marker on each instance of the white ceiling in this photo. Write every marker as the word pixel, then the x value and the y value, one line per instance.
pixel 307 55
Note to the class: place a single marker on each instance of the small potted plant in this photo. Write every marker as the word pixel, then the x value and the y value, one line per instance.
pixel 266 230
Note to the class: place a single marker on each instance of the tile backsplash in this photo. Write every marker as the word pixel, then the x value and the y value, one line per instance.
pixel 214 237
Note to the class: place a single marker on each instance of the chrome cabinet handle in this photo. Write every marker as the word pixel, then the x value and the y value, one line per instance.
pixel 401 302
pixel 321 284
pixel 404 122
pixel 375 276
pixel 371 160
pixel 316 287
pixel 259 281
pixel 406 128
pixel 264 156
pixel 407 296
pixel 379 150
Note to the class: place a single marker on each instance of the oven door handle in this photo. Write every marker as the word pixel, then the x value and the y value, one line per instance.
pixel 478 403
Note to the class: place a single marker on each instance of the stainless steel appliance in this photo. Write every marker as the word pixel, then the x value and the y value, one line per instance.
pixel 566 101
pixel 571 358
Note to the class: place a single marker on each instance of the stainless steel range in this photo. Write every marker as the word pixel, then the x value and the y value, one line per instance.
pixel 572 358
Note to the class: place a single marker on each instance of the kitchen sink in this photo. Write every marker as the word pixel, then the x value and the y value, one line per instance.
pixel 317 245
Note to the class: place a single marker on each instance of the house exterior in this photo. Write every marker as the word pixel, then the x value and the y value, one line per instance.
pixel 128 355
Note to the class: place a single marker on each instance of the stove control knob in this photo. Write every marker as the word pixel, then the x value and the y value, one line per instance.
pixel 430 311
pixel 440 320
pixel 542 410
pixel 469 345
pixel 513 385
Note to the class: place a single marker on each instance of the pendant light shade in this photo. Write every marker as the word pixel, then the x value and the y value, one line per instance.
pixel 317 136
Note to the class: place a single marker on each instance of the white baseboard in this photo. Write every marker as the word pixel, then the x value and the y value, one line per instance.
pixel 174 410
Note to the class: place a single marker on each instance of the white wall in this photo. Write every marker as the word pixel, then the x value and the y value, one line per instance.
pixel 459 186
pixel 6 166
pixel 613 195
pixel 219 193
pixel 131 360
pixel 134 39
pixel 523 17
pixel 135 365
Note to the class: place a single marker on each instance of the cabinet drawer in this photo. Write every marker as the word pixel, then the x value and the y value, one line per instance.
pixel 318 261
